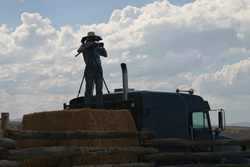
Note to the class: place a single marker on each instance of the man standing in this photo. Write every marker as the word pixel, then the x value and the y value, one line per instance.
pixel 92 50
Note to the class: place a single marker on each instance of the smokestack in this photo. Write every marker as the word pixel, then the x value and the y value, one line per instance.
pixel 124 81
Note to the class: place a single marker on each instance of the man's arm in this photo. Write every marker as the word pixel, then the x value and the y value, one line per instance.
pixel 82 49
pixel 103 52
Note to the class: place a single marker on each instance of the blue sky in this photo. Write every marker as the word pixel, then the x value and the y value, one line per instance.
pixel 166 45
pixel 63 12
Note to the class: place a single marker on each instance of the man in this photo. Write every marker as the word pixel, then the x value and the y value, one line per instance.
pixel 92 50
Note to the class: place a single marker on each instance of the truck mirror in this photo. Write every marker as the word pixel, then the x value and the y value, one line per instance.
pixel 221 116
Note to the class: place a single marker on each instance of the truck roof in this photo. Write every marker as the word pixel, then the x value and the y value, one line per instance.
pixel 159 99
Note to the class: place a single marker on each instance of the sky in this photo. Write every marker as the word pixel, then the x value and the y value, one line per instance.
pixel 202 44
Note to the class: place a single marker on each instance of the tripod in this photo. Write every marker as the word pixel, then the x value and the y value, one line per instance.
pixel 90 60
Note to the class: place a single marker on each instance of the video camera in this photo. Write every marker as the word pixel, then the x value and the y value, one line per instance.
pixel 86 40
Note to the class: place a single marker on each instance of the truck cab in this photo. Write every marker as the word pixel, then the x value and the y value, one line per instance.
pixel 169 115
pixel 177 114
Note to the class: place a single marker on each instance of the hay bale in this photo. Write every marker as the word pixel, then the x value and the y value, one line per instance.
pixel 80 119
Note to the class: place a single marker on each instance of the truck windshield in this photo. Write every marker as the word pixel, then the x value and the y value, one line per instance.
pixel 200 120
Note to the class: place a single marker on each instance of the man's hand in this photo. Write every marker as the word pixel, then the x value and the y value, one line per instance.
pixel 103 52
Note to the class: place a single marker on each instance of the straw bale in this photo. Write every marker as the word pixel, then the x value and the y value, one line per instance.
pixel 80 119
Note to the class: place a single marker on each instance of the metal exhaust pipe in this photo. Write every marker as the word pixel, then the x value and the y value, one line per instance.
pixel 124 81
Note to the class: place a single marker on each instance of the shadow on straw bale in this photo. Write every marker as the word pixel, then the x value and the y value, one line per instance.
pixel 80 119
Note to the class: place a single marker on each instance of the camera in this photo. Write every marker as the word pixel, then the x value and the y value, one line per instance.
pixel 86 40
pixel 90 39
pixel 93 38
pixel 100 44
pixel 97 44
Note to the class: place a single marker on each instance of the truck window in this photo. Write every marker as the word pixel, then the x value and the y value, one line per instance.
pixel 200 120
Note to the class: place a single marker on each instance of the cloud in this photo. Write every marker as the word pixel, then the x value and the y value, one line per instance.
pixel 33 32
pixel 204 45
pixel 129 13
pixel 230 80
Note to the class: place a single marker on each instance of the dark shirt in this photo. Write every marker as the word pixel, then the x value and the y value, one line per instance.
pixel 91 52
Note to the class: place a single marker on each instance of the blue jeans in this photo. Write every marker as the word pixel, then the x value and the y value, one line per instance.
pixel 93 76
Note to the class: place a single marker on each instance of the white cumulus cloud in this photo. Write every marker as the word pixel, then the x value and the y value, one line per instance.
pixel 204 45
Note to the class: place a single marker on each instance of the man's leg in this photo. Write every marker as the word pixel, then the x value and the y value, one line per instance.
pixel 89 89
pixel 99 87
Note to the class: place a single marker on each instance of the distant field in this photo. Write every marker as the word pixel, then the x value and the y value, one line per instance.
pixel 14 126
pixel 237 132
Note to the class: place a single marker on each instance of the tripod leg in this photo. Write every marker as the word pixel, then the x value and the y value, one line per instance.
pixel 84 74
pixel 79 91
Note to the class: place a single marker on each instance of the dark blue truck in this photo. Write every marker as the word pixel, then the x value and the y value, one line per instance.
pixel 171 115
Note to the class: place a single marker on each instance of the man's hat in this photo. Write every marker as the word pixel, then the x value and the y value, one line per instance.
pixel 91 34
